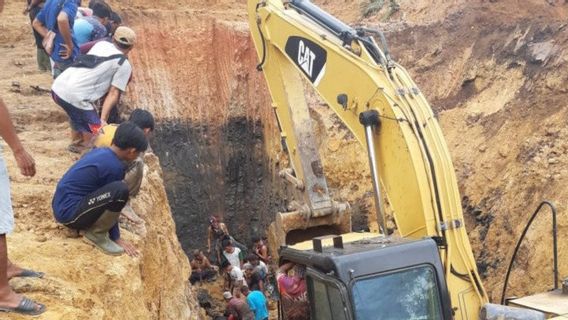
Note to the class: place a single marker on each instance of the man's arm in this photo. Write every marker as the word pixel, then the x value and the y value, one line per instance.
pixel 260 283
pixel 64 28
pixel 39 27
pixel 8 133
pixel 286 267
pixel 206 264
pixel 110 101
pixel 263 252
pixel 209 239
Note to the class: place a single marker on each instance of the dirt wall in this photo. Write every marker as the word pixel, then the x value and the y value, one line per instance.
pixel 80 282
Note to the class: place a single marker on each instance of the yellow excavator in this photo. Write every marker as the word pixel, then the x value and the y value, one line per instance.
pixel 427 270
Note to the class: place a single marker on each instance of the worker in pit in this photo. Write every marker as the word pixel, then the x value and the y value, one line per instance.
pixel 201 268
pixel 91 195
pixel 217 233
pixel 293 291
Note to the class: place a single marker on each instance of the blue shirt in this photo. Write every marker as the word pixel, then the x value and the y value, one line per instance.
pixel 92 172
pixel 257 304
pixel 88 29
pixel 48 17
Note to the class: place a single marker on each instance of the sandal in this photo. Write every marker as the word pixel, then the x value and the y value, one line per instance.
pixel 28 273
pixel 26 307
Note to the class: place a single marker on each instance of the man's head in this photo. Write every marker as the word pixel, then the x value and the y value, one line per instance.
pixel 227 296
pixel 214 221
pixel 197 254
pixel 102 11
pixel 124 39
pixel 256 240
pixel 228 246
pixel 143 119
pixel 129 140
pixel 245 290
pixel 92 3
pixel 252 259
pixel 226 266
pixel 249 269
pixel 113 22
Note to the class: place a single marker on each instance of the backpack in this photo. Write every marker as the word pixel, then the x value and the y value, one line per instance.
pixel 91 61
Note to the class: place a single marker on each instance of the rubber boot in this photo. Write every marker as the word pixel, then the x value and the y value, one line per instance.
pixel 98 233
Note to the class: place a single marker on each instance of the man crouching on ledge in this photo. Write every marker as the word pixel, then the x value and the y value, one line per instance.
pixel 92 193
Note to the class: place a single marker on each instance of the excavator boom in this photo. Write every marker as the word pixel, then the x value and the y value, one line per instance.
pixel 387 113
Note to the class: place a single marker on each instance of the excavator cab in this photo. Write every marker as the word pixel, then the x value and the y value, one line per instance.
pixel 371 277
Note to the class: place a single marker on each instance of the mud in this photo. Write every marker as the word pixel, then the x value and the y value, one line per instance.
pixel 220 170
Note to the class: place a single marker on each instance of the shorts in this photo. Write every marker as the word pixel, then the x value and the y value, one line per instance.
pixel 81 120
pixel 6 214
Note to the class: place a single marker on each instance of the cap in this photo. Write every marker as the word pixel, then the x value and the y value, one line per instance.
pixel 227 295
pixel 125 35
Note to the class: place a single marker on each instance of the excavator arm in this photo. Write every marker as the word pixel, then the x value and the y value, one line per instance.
pixel 384 109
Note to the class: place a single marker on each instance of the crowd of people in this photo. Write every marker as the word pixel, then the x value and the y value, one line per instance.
pixel 250 276
pixel 86 50
pixel 246 276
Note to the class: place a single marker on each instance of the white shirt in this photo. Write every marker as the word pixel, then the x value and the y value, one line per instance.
pixel 236 274
pixel 233 258
pixel 261 268
pixel 82 86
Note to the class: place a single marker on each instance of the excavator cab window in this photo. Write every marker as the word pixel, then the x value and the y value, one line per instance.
pixel 328 297
pixel 409 294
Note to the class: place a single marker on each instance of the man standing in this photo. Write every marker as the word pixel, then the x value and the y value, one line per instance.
pixel 33 8
pixel 256 302
pixel 232 254
pixel 9 300
pixel 104 70
pixel 58 16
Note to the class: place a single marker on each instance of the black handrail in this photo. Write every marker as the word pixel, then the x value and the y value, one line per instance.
pixel 555 246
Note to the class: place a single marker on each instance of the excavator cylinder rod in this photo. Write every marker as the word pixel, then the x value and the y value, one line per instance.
pixel 340 29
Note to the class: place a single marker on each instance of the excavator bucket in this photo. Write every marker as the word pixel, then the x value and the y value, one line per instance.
pixel 293 227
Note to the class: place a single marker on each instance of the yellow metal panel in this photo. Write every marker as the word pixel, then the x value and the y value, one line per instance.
pixel 413 159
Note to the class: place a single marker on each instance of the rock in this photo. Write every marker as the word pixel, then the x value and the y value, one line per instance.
pixel 540 52
pixel 551 131
pixel 553 161
pixel 482 148
pixel 333 145
pixel 473 117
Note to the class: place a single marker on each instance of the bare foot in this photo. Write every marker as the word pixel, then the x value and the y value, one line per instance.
pixel 13 270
